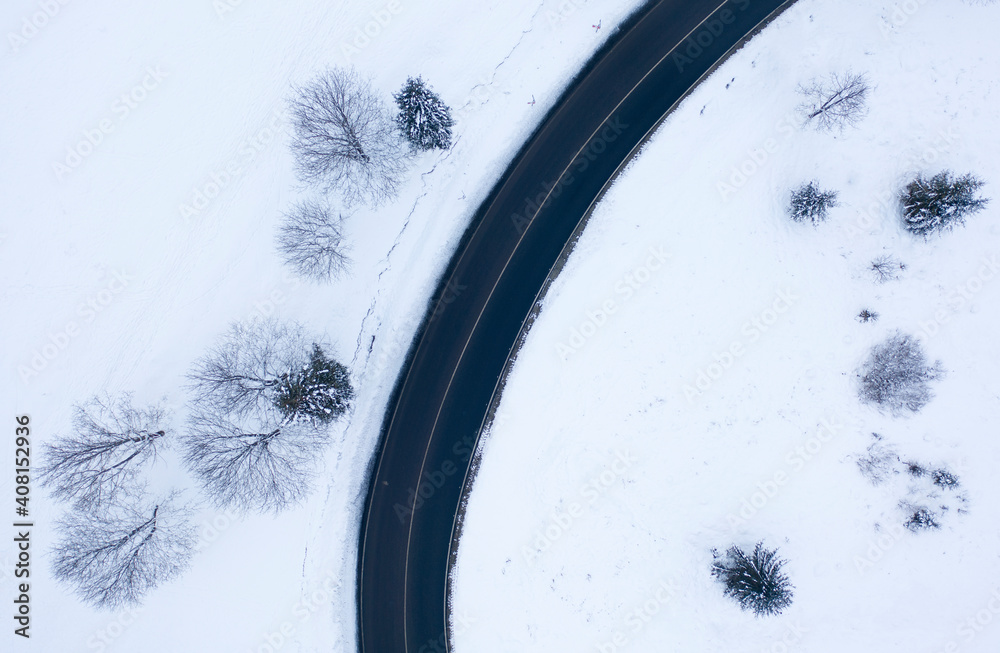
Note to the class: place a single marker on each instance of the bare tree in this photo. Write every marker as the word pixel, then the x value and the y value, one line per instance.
pixel 345 138
pixel 840 102
pixel 117 555
pixel 896 376
pixel 264 462
pixel 240 374
pixel 112 442
pixel 263 398
pixel 311 239
pixel 264 364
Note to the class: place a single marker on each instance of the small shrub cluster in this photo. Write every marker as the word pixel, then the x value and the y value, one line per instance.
pixel 886 268
pixel 921 519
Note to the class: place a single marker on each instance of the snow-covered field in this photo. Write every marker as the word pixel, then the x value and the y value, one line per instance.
pixel 145 166
pixel 690 383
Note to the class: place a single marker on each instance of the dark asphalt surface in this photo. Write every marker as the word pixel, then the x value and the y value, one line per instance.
pixel 446 387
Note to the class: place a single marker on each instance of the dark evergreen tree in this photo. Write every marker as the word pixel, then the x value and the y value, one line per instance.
pixel 321 389
pixel 755 581
pixel 940 202
pixel 423 117
pixel 810 203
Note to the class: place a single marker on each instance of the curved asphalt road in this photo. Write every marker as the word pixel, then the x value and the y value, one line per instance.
pixel 490 287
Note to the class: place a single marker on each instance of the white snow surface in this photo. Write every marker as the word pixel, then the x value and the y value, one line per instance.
pixel 111 284
pixel 658 411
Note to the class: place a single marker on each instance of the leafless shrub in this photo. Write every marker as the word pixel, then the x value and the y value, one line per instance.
pixel 113 557
pixel 311 239
pixel 867 315
pixel 345 138
pixel 886 268
pixel 878 463
pixel 111 443
pixel 839 102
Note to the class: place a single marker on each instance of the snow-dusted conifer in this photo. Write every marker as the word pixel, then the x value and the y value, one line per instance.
pixel 940 202
pixel 809 203
pixel 423 117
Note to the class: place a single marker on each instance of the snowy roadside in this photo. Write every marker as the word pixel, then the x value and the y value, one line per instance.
pixel 142 192
pixel 658 410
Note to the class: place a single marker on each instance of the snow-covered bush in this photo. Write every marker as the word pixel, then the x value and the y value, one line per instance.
pixel 896 376
pixel 246 370
pixel 809 203
pixel 423 118
pixel 930 205
pixel 944 478
pixel 921 519
pixel 755 581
